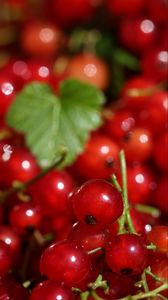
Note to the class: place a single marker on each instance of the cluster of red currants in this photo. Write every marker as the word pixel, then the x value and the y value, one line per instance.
pixel 74 233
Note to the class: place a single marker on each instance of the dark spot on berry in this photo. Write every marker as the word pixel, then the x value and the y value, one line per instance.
pixel 109 162
pixel 126 271
pixel 126 138
pixel 90 220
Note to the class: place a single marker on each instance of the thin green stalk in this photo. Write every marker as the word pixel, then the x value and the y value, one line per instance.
pixel 125 218
pixel 99 283
pixel 84 295
pixel 149 294
pixel 153 211
pixel 95 250
pixel 116 183
pixel 95 296
pixel 144 283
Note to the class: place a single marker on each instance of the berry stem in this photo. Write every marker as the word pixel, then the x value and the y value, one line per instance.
pixel 153 211
pixel 144 282
pixel 84 295
pixel 22 186
pixel 95 250
pixel 99 283
pixel 151 247
pixel 95 296
pixel 116 183
pixel 152 293
pixel 125 221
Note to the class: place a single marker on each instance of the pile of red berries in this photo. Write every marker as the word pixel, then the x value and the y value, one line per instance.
pixel 97 229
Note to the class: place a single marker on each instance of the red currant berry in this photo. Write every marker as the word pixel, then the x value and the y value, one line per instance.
pixel 153 115
pixel 41 39
pixel 17 164
pixel 141 184
pixel 120 123
pixel 159 267
pixel 65 262
pixel 51 290
pixel 51 192
pixel 88 237
pixel 24 216
pixel 119 285
pixel 89 68
pixel 126 254
pixel 159 237
pixel 138 144
pixel 97 202
pixel 137 91
pixel 99 159
pixel 155 64
pixel 11 238
pixel 140 29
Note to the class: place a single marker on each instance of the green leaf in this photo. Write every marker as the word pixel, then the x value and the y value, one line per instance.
pixel 50 123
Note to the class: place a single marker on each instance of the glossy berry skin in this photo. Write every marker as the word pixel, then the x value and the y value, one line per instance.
pixel 141 184
pixel 16 163
pixel 122 8
pixel 89 68
pixel 159 237
pixel 159 267
pixel 126 254
pixel 119 123
pixel 7 94
pixel 143 222
pixel 5 258
pixel 138 144
pixel 23 71
pixel 41 39
pixel 136 92
pixel 99 159
pixel 97 202
pixel 51 192
pixel 88 237
pixel 153 115
pixel 51 290
pixel 119 285
pixel 65 262
pixel 155 64
pixel 11 238
pixel 23 216
pixel 39 70
pixel 142 30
